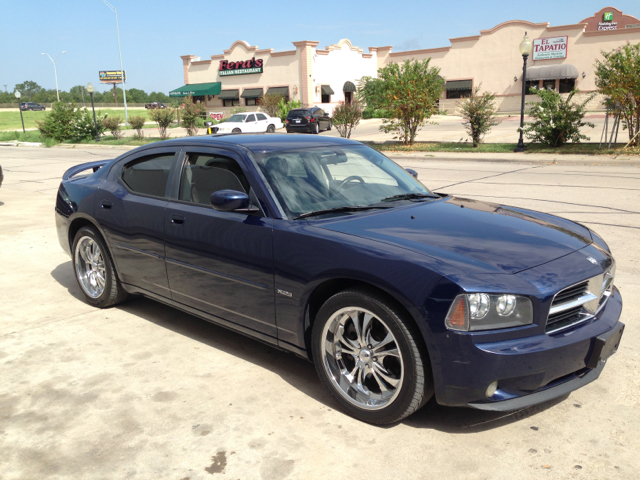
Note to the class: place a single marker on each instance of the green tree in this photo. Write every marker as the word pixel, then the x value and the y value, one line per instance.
pixel 29 89
pixel 163 117
pixel 285 107
pixel 269 103
pixel 346 117
pixel 370 93
pixel 190 113
pixel 135 95
pixel 60 122
pixel 618 77
pixel 479 113
pixel 557 120
pixel 79 94
pixel 409 95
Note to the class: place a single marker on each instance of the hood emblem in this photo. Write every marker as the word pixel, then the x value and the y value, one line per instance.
pixel 592 260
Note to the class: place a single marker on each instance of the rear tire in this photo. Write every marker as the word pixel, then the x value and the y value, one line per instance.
pixel 315 129
pixel 330 125
pixel 271 128
pixel 94 270
pixel 377 370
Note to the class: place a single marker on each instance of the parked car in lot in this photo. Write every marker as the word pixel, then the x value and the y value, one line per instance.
pixel 250 122
pixel 310 120
pixel 31 106
pixel 154 105
pixel 325 248
pixel 1 176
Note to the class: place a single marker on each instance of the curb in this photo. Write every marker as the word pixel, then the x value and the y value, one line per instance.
pixel 508 158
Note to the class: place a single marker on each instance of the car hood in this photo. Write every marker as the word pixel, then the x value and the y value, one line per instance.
pixel 476 236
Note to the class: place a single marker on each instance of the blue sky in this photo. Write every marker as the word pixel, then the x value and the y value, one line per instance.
pixel 154 33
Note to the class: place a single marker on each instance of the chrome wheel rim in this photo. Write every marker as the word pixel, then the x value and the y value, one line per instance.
pixel 90 269
pixel 362 358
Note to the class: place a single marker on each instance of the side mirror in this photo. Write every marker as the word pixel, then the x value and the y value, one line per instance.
pixel 229 200
pixel 412 172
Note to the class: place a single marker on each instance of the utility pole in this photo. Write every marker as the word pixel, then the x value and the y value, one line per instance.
pixel 124 92
pixel 5 89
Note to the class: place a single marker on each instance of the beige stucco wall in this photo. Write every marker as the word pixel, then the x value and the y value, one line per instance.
pixel 493 60
pixel 337 64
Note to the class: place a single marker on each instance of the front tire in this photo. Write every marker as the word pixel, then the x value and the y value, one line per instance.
pixel 236 130
pixel 330 125
pixel 368 355
pixel 94 270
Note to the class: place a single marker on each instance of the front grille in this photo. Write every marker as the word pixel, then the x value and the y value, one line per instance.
pixel 571 293
pixel 580 302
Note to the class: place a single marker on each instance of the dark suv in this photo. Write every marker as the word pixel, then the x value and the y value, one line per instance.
pixel 31 106
pixel 310 120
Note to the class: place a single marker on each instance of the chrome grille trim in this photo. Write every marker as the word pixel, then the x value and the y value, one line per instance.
pixel 580 302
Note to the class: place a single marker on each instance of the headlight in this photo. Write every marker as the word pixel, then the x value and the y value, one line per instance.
pixel 482 311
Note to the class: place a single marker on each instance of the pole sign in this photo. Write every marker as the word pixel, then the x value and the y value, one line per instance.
pixel 550 48
pixel 112 76
pixel 240 68
pixel 216 115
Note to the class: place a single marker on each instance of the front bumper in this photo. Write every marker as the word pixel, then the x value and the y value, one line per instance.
pixel 529 370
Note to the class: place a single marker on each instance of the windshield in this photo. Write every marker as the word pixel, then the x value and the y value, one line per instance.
pixel 236 118
pixel 312 179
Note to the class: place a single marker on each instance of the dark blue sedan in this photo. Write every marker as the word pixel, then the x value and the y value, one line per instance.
pixel 326 248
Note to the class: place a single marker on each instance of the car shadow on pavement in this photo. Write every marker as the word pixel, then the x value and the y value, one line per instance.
pixel 296 371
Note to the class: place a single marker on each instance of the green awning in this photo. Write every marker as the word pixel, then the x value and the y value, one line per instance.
pixel 327 90
pixel 284 91
pixel 252 93
pixel 456 85
pixel 349 87
pixel 229 95
pixel 197 90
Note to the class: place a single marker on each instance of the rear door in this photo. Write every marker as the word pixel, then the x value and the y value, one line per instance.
pixel 219 262
pixel 250 124
pixel 130 208
pixel 262 122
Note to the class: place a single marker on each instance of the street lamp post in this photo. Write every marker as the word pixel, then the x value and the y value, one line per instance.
pixel 95 123
pixel 55 72
pixel 525 49
pixel 18 95
pixel 124 90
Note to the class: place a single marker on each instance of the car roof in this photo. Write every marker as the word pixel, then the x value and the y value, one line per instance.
pixel 260 143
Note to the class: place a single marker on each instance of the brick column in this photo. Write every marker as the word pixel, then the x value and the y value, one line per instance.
pixel 186 61
pixel 306 49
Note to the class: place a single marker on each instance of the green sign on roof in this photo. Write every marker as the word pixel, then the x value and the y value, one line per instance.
pixel 608 17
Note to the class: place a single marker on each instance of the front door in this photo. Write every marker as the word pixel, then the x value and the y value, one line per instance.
pixel 219 262
pixel 130 210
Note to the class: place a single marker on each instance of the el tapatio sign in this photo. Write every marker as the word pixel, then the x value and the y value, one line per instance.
pixel 549 48
pixel 240 68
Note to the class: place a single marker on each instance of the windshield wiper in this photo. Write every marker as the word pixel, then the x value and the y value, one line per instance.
pixel 354 208
pixel 409 196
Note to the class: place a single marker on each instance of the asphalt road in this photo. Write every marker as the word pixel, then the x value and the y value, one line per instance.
pixel 144 391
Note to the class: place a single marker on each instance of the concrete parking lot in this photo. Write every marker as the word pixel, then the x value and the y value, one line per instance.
pixel 144 391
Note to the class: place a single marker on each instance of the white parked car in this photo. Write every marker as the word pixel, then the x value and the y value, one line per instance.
pixel 250 122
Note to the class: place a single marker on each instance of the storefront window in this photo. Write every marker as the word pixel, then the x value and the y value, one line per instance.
pixel 231 103
pixel 459 94
pixel 252 101
pixel 326 98
pixel 532 84
pixel 549 84
pixel 567 85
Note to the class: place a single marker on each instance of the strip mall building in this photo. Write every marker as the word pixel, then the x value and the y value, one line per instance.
pixel 564 59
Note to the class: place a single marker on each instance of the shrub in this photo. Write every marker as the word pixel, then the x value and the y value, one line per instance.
pixel 59 123
pixel 374 113
pixel 479 113
pixel 190 112
pixel 618 77
pixel 409 93
pixel 163 117
pixel 238 110
pixel 557 120
pixel 84 127
pixel 370 93
pixel 346 117
pixel 113 125
pixel 285 107
pixel 270 103
pixel 137 123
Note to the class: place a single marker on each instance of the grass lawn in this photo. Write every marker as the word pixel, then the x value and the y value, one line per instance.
pixel 11 120
pixel 578 148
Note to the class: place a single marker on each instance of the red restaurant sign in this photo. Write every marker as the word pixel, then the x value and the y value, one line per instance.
pixel 549 48
pixel 240 68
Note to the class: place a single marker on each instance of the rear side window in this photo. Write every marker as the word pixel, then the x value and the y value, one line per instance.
pixel 260 116
pixel 149 175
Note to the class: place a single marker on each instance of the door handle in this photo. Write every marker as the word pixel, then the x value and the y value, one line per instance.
pixel 106 204
pixel 177 219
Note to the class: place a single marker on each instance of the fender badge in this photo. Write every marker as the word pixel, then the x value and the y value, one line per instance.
pixel 285 293
pixel 592 260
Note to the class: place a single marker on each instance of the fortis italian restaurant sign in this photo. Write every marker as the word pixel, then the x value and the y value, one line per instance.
pixel 240 68
pixel 549 48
